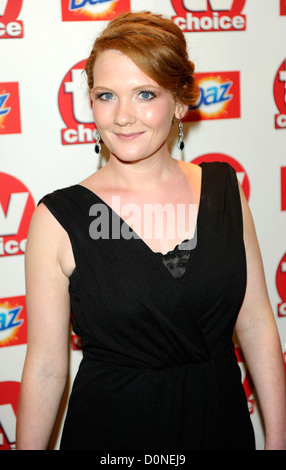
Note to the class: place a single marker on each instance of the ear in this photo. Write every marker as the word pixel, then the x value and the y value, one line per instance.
pixel 180 110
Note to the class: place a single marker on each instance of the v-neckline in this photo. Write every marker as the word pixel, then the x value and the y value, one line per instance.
pixel 136 236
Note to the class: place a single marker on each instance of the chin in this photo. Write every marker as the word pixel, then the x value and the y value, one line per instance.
pixel 129 158
pixel 133 157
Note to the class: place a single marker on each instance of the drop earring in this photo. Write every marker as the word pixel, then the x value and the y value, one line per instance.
pixel 97 147
pixel 181 144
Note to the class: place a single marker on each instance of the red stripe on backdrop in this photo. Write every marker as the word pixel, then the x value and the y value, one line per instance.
pixel 283 188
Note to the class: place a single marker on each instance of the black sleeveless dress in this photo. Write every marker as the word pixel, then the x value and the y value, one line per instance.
pixel 159 370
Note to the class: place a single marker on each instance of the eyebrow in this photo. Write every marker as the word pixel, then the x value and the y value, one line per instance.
pixel 140 87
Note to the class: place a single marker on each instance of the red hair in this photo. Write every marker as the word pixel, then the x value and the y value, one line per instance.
pixel 157 46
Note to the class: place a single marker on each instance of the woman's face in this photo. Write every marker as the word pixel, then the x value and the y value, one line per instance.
pixel 131 111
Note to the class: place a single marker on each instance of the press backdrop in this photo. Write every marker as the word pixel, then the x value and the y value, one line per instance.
pixel 46 136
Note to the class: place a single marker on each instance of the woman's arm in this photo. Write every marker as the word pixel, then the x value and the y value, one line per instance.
pixel 48 312
pixel 258 336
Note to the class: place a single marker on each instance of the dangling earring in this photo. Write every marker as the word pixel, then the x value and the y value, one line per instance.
pixel 180 143
pixel 97 147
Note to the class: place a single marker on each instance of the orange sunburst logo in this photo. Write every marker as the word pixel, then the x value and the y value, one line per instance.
pixel 215 99
pixel 13 328
pixel 219 97
pixel 88 12
pixel 10 120
pixel 92 10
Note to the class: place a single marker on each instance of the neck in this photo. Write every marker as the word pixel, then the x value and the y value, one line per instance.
pixel 144 174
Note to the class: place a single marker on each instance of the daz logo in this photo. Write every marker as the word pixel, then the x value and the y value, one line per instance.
pixel 10 27
pixel 9 397
pixel 10 121
pixel 240 171
pixel 16 209
pixel 90 10
pixel 280 96
pixel 220 96
pixel 209 15
pixel 281 286
pixel 13 324
pixel 75 107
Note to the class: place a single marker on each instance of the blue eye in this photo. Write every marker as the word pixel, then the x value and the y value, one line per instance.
pixel 105 96
pixel 147 95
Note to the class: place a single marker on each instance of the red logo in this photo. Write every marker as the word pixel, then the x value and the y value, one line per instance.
pixel 9 397
pixel 13 321
pixel 75 107
pixel 245 379
pixel 282 7
pixel 220 96
pixel 209 15
pixel 10 121
pixel 93 10
pixel 16 209
pixel 280 96
pixel 240 171
pixel 283 188
pixel 281 286
pixel 10 27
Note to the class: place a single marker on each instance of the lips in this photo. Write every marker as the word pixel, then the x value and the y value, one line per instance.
pixel 129 137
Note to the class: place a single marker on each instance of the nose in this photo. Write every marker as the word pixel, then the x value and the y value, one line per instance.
pixel 124 113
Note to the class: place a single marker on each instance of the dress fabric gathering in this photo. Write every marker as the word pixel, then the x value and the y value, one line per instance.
pixel 159 370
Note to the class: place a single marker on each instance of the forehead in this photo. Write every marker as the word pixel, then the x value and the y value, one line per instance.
pixel 113 65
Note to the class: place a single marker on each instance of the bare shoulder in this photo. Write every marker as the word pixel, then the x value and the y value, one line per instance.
pixel 193 174
pixel 45 229
pixel 42 219
pixel 190 168
pixel 48 243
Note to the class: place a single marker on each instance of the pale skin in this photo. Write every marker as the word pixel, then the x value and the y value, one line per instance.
pixel 134 125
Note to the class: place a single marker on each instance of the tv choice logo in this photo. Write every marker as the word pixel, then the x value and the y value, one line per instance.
pixel 13 321
pixel 10 26
pixel 10 119
pixel 209 15
pixel 283 188
pixel 93 10
pixel 16 208
pixel 279 90
pixel 219 98
pixel 281 286
pixel 240 170
pixel 75 107
pixel 9 397
pixel 283 7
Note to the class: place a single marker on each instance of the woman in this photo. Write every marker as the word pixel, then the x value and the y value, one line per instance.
pixel 155 315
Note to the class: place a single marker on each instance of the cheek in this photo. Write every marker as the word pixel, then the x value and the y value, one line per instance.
pixel 95 113
pixel 158 116
pixel 101 116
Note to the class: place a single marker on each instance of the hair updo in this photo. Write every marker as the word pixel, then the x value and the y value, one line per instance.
pixel 157 46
